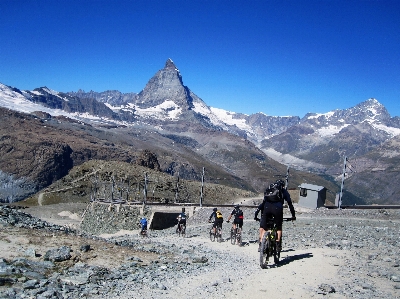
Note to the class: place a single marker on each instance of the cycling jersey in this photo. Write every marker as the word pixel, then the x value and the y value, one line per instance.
pixel 274 209
pixel 143 223
pixel 217 220
pixel 182 218
pixel 238 213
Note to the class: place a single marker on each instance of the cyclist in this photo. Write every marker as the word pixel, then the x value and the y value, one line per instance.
pixel 238 220
pixel 275 209
pixel 143 224
pixel 218 219
pixel 260 233
pixel 181 219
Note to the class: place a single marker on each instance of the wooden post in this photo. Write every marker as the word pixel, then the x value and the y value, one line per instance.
pixel 145 189
pixel 202 189
pixel 112 189
pixel 177 190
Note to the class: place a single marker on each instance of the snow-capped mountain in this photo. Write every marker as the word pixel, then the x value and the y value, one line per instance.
pixel 165 99
pixel 316 142
pixel 319 141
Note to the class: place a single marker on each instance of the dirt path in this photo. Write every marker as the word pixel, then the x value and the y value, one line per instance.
pixel 298 275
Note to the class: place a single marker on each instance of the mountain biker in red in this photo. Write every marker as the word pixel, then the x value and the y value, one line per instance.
pixel 275 209
pixel 218 219
pixel 238 220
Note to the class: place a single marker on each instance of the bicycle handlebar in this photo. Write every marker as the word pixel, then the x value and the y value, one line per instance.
pixel 289 219
pixel 284 219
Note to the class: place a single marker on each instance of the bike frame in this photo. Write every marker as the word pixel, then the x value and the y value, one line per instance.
pixel 236 235
pixel 269 245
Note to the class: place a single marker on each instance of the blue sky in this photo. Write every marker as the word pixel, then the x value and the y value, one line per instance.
pixel 277 57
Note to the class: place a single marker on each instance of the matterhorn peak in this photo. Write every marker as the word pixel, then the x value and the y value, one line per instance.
pixel 170 64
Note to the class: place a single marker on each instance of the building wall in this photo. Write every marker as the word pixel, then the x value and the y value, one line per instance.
pixel 313 200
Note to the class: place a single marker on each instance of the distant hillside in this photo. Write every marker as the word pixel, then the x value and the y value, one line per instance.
pixel 97 179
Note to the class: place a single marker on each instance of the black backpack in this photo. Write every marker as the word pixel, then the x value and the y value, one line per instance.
pixel 273 194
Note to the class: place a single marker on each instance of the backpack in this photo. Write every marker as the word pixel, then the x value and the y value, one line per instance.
pixel 219 215
pixel 273 194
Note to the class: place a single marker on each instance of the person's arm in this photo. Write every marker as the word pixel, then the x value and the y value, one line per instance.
pixel 259 208
pixel 286 196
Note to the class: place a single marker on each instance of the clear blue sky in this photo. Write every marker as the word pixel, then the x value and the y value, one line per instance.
pixel 277 57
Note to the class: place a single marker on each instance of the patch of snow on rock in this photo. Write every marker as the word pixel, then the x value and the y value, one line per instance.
pixel 166 110
pixel 330 130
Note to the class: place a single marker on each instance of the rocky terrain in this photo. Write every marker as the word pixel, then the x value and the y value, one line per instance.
pixel 53 132
pixel 326 254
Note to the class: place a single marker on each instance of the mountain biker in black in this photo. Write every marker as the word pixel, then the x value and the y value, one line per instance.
pixel 238 220
pixel 274 209
pixel 181 219
pixel 218 219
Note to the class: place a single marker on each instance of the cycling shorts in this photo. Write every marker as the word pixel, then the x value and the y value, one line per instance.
pixel 182 221
pixel 272 210
pixel 218 222
pixel 238 221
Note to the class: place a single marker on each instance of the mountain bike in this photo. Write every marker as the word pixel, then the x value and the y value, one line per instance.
pixel 217 234
pixel 143 233
pixel 236 235
pixel 268 247
pixel 181 230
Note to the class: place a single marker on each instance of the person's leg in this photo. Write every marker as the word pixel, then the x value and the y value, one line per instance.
pixel 279 235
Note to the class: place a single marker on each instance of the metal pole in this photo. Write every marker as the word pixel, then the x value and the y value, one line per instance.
pixel 341 186
pixel 202 189
pixel 287 178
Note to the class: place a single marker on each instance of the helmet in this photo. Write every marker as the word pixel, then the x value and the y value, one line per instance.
pixel 237 207
pixel 280 183
pixel 215 209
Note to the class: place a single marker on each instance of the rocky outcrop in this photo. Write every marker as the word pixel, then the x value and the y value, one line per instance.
pixel 63 101
pixel 102 218
pixel 165 85
pixel 148 159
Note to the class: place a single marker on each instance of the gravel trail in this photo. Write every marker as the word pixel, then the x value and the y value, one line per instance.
pixel 326 254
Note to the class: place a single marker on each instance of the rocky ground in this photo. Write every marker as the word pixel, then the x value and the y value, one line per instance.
pixel 326 254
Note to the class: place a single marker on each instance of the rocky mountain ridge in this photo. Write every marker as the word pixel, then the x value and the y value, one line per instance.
pixel 243 145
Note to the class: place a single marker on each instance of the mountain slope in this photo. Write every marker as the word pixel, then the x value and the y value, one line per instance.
pixel 376 173
pixel 173 123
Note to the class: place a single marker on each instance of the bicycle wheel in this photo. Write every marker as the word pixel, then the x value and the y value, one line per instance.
pixel 183 231
pixel 239 237
pixel 233 237
pixel 219 234
pixel 278 252
pixel 265 250
pixel 212 235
